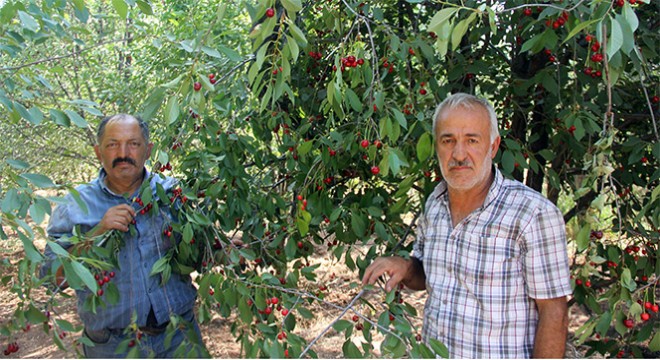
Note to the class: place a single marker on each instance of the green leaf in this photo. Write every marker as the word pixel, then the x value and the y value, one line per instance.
pixel 159 266
pixel 35 316
pixel 172 110
pixel 17 164
pixel 615 41
pixel 39 180
pixel 85 275
pixel 121 8
pixel 439 348
pixel 440 18
pixel 351 351
pixel 28 21
pixel 654 345
pixel 302 221
pixel 460 29
pixel 305 147
pixel 145 7
pixel 576 30
pixel 357 224
pixel 292 6
pixel 152 104
pixel 583 237
pixel 424 147
pixel 353 100
pixel 76 118
pixel 603 325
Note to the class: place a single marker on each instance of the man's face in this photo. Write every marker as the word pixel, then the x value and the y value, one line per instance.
pixel 123 151
pixel 463 146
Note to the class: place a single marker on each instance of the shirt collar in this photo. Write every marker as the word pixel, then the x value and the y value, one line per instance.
pixel 103 176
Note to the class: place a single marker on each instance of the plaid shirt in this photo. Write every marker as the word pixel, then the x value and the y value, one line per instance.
pixel 483 275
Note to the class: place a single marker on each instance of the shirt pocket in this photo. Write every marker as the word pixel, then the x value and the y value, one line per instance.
pixel 491 261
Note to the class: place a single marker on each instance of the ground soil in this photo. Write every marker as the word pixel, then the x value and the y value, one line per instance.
pixel 36 343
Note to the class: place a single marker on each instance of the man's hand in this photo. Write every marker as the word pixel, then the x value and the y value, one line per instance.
pixel 116 218
pixel 409 272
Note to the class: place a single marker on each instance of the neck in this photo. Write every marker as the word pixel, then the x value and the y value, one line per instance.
pixel 463 201
pixel 121 187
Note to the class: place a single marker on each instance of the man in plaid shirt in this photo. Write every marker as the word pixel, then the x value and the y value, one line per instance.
pixel 490 251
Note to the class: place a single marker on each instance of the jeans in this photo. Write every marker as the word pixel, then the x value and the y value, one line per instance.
pixel 106 343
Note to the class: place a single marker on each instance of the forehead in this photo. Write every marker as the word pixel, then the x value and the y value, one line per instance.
pixel 122 128
pixel 474 120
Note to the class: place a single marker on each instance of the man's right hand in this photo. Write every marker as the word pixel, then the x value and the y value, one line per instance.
pixel 410 272
pixel 116 218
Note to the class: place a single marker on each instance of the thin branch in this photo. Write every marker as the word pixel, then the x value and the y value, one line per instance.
pixel 54 58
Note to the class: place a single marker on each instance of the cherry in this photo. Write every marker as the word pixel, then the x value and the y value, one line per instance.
pixel 359 327
pixel 131 343
pixel 211 292
pixel 578 282
pixel 268 310
pixel 270 12
pixel 99 292
pixel 647 305
pixel 378 144
pixel 364 143
pixel 629 323
pixel 655 308
pixel 285 312
pixel 645 316
pixel 375 170
pixel 527 12
pixel 197 86
pixel 300 245
pixel 274 300
pixel 422 91
pixel 356 318
pixel 655 99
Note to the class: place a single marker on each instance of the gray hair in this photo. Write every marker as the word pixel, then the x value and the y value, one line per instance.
pixel 144 127
pixel 469 102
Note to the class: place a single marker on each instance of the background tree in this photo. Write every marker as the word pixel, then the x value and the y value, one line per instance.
pixel 295 125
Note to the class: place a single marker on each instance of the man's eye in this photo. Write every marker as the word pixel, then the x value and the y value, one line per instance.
pixel 113 145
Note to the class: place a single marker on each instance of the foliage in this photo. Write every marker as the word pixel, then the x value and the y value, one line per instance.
pixel 312 127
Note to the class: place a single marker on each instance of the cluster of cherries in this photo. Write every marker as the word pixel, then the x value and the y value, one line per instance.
pixel 167 166
pixel 349 61
pixel 11 348
pixel 102 279
pixel 144 209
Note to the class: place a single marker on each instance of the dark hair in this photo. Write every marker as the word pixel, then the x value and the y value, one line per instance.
pixel 144 127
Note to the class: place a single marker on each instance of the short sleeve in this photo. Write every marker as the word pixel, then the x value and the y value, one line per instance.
pixel 546 266
pixel 418 245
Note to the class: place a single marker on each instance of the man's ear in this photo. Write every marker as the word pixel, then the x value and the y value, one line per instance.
pixel 97 151
pixel 494 147
pixel 150 146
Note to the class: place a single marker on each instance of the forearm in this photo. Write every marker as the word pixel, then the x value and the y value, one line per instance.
pixel 415 278
pixel 552 330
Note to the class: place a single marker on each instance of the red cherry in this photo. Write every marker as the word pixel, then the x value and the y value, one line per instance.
pixel 106 279
pixel 286 352
pixel 655 99
pixel 654 308
pixel 375 170
pixel 360 61
pixel 629 323
pixel 131 343
pixel 211 292
pixel 527 12
pixel 300 245
pixel 647 305
pixel 99 292
pixel 356 318
pixel 274 300
pixel 378 144
pixel 300 197
pixel 422 91
pixel 270 12
pixel 197 86
pixel 364 143
pixel 268 310
pixel 645 316
pixel 578 282
pixel 285 312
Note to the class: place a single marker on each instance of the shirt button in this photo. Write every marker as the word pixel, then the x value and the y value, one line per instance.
pixel 444 302
pixel 449 270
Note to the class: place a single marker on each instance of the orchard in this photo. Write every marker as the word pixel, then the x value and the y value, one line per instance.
pixel 294 125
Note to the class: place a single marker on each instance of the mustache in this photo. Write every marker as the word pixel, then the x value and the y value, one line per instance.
pixel 454 163
pixel 118 160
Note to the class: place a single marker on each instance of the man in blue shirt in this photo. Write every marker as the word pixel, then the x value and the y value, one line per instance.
pixel 123 147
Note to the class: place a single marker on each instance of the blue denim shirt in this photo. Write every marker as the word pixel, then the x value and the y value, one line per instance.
pixel 138 291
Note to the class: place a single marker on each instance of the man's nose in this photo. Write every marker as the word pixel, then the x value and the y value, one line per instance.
pixel 124 150
pixel 459 152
